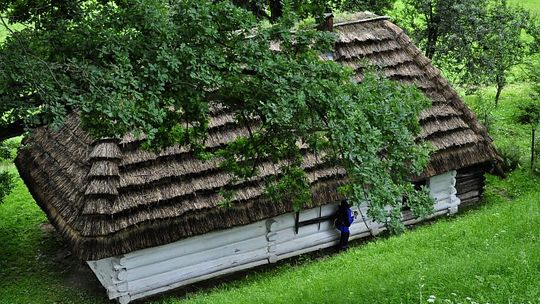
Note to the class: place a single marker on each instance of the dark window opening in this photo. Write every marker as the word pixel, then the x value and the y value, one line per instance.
pixel 417 186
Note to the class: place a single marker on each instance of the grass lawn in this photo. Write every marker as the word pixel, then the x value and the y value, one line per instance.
pixel 33 268
pixel 532 5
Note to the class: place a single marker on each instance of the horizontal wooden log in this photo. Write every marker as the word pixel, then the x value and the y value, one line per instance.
pixel 476 181
pixel 182 261
pixel 147 293
pixel 470 173
pixel 468 188
pixel 309 214
pixel 306 242
pixel 418 220
pixel 316 220
pixel 468 195
pixel 471 201
pixel 197 270
pixel 479 181
pixel 441 182
pixel 106 274
pixel 192 245
pixel 319 246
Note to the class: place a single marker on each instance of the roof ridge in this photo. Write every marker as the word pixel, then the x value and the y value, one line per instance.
pixel 363 20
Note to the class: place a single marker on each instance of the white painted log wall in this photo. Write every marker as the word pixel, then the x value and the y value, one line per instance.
pixel 158 269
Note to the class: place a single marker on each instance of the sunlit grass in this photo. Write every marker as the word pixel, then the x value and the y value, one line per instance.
pixel 532 5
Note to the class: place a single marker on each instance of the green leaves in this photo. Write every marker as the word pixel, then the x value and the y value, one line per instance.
pixel 374 133
pixel 477 42
pixel 159 69
pixel 7 179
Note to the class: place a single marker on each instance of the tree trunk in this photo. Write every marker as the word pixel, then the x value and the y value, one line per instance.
pixel 532 149
pixel 501 82
pixel 432 32
pixel 11 130
pixel 431 42
pixel 500 86
pixel 276 10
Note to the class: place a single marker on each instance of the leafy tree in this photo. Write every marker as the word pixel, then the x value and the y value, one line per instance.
pixel 498 46
pixel 273 9
pixel 441 26
pixel 478 41
pixel 529 113
pixel 379 7
pixel 158 67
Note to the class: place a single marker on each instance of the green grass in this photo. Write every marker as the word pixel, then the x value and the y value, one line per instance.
pixel 532 5
pixel 30 270
pixel 504 130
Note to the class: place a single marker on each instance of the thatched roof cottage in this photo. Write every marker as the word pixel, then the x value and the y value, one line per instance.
pixel 146 222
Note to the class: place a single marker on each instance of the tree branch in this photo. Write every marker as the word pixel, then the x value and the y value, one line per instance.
pixel 11 130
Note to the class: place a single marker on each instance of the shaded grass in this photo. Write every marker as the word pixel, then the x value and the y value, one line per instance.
pixel 30 269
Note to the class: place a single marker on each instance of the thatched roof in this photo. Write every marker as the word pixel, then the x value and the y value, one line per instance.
pixel 110 197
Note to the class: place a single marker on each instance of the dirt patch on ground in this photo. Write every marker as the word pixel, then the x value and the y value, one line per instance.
pixel 76 273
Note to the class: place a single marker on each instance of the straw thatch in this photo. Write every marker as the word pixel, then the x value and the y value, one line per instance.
pixel 109 197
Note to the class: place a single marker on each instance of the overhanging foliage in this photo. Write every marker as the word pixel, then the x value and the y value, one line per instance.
pixel 158 67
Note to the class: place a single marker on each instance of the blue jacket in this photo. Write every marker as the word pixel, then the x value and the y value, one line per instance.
pixel 345 229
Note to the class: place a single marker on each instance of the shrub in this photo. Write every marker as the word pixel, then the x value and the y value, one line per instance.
pixel 511 157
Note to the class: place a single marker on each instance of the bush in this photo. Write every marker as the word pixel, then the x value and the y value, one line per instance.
pixel 8 148
pixel 536 167
pixel 511 157
pixel 7 182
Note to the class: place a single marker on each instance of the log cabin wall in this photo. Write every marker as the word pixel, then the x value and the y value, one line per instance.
pixel 470 183
pixel 157 269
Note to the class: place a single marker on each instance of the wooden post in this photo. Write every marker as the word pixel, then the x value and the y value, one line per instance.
pixel 296 220
pixel 532 149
